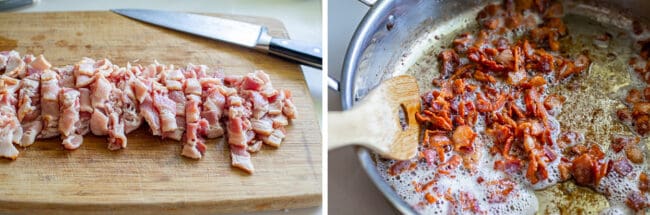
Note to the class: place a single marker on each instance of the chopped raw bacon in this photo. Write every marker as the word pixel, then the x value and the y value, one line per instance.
pixel 186 104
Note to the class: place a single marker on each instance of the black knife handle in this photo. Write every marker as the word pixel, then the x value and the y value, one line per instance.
pixel 298 51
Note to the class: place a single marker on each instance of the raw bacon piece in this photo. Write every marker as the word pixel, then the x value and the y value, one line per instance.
pixel 262 126
pixel 241 158
pixel 116 137
pixel 69 122
pixel 40 63
pixel 15 65
pixel 50 90
pixel 275 139
pixel 194 146
pixel 236 132
pixel 29 111
pixel 84 72
pixel 99 123
pixel 150 115
pixel 167 111
pixel 214 103
pixel 85 111
pixel 7 149
pixel 101 90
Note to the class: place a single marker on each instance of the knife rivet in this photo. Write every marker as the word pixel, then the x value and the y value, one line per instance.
pixel 284 42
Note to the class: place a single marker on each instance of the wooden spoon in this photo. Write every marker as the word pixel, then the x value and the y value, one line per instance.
pixel 374 122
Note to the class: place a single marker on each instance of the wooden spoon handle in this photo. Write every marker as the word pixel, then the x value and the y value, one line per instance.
pixel 369 123
pixel 350 128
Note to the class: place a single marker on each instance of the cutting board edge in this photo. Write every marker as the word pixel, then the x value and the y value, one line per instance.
pixel 180 207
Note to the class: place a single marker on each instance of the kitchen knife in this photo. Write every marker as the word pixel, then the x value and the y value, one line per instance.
pixel 235 32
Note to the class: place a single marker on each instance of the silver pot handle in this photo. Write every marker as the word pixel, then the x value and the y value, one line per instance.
pixel 332 83
pixel 370 3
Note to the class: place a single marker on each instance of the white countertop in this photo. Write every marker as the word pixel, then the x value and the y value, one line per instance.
pixel 302 18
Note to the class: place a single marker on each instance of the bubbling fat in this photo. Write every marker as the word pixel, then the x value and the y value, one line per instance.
pixel 521 200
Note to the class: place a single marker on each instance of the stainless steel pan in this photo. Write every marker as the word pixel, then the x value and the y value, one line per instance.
pixel 394 34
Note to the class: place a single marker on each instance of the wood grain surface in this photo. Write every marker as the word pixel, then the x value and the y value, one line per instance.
pixel 150 176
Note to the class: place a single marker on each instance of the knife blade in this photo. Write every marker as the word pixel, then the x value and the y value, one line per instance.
pixel 231 31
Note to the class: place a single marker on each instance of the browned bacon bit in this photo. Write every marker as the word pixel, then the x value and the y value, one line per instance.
pixel 639 113
pixel 642 125
pixel 584 170
pixel 625 115
pixel 484 77
pixel 637 28
pixel 499 190
pixel 636 201
pixel 399 167
pixel 644 182
pixel 449 60
pixel 619 142
pixel 461 43
pixel 469 202
pixel 622 166
pixel 633 96
pixel 510 166
pixel 430 198
pixel 634 153
pixel 569 138
pixel 537 81
pixel 448 167
pixel 646 93
pixel 564 169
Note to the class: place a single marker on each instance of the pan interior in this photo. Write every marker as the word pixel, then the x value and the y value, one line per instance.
pixel 592 97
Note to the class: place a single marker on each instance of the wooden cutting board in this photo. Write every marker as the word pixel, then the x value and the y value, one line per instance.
pixel 150 176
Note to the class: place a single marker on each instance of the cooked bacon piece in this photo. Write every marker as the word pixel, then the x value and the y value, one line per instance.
pixel 484 77
pixel 449 61
pixel 50 104
pixel 584 170
pixel 633 96
pixel 644 182
pixel 636 201
pixel 499 190
pixel 622 166
pixel 619 142
pixel 463 139
pixel 634 153
pixel 564 169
